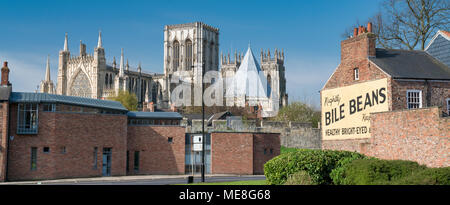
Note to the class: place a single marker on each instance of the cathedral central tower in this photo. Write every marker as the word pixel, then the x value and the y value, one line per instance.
pixel 186 46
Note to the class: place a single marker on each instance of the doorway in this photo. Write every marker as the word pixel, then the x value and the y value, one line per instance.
pixel 106 168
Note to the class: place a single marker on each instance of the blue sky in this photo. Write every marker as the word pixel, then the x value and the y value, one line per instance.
pixel 308 31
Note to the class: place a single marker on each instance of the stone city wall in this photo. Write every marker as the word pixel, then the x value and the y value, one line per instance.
pixel 292 134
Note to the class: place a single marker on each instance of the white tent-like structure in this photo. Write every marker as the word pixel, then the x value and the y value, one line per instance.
pixel 248 85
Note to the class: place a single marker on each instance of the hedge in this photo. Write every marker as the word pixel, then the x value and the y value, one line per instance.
pixel 428 176
pixel 317 163
pixel 376 171
pixel 337 174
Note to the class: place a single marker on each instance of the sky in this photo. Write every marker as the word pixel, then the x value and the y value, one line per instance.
pixel 309 32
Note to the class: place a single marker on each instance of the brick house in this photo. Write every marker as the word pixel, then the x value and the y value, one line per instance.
pixel 47 136
pixel 369 102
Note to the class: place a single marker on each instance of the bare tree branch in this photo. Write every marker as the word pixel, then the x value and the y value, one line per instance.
pixel 408 24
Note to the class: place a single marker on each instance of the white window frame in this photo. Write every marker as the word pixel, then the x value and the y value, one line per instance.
pixel 448 105
pixel 356 73
pixel 407 98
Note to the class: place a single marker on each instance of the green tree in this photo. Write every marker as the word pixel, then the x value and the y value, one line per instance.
pixel 298 112
pixel 128 100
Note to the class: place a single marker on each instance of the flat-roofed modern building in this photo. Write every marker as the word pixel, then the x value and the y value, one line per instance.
pixel 48 136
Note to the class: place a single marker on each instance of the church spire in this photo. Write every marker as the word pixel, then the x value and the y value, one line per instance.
pixel 99 43
pixel 121 64
pixel 66 48
pixel 114 62
pixel 47 70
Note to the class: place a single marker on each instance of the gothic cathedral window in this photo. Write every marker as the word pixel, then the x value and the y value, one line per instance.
pixel 106 81
pixel 188 54
pixel 269 86
pixel 81 86
pixel 176 55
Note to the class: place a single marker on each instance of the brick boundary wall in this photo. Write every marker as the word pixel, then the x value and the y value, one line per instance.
pixel 242 153
pixel 420 135
pixel 232 153
pixel 261 142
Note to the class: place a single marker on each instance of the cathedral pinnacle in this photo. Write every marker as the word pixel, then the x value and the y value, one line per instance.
pixel 139 68
pixel 99 44
pixel 47 70
pixel 66 48
pixel 121 64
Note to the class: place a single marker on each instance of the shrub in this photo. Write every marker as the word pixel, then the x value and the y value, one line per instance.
pixel 337 174
pixel 376 171
pixel 299 178
pixel 317 163
pixel 428 176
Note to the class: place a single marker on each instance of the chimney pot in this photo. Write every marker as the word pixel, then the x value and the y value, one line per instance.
pixel 355 32
pixel 5 64
pixel 369 27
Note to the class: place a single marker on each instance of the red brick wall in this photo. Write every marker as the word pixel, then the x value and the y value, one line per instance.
pixel 418 135
pixel 157 155
pixel 242 153
pixel 438 92
pixel 232 153
pixel 4 106
pixel 261 141
pixel 79 133
pixel 353 145
pixel 354 53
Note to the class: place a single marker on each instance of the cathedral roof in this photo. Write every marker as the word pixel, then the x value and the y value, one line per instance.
pixel 249 80
pixel 23 97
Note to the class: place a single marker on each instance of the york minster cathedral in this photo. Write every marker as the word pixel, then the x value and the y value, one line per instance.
pixel 187 49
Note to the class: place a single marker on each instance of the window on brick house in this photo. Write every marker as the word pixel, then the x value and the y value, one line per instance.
pixel 413 99
pixel 95 158
pixel 33 158
pixel 136 161
pixel 128 160
pixel 448 106
pixel 49 107
pixel 46 150
pixel 27 119
pixel 356 73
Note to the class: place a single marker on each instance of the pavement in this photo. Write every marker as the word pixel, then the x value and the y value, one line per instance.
pixel 139 180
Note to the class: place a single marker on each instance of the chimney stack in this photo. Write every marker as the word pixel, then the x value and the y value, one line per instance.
pixel 5 74
pixel 355 32
pixel 369 27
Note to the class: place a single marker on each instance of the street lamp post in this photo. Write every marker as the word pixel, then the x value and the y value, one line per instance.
pixel 203 124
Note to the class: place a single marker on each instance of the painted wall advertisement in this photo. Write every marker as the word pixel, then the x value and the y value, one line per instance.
pixel 346 110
